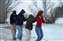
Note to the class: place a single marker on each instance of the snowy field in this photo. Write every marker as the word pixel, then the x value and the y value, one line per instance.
pixel 52 32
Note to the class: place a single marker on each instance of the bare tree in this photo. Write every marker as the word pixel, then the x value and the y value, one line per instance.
pixel 4 4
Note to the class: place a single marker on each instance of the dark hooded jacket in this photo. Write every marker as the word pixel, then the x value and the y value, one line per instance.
pixel 13 18
pixel 29 23
pixel 20 18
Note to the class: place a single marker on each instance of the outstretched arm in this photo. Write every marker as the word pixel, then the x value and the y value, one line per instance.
pixel 24 18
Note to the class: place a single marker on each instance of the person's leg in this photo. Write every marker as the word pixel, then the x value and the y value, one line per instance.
pixel 14 32
pixel 41 33
pixel 13 27
pixel 27 35
pixel 19 35
pixel 17 28
pixel 21 28
pixel 17 31
pixel 38 33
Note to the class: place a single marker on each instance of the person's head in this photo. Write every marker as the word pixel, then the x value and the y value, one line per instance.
pixel 22 12
pixel 14 12
pixel 40 13
pixel 30 16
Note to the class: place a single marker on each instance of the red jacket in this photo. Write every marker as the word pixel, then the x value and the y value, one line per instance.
pixel 39 21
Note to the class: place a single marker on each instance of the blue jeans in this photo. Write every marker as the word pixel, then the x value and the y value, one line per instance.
pixel 19 28
pixel 39 33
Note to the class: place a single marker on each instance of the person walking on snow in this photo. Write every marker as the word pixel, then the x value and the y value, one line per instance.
pixel 39 19
pixel 13 24
pixel 29 27
pixel 19 24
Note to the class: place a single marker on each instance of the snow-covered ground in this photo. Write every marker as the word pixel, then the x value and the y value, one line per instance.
pixel 52 32
pixel 59 20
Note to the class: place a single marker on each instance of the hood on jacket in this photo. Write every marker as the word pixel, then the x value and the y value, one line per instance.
pixel 30 16
pixel 21 12
pixel 14 12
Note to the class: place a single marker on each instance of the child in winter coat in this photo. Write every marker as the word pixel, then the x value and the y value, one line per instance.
pixel 29 27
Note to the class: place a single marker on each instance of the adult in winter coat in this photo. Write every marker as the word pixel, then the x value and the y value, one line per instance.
pixel 13 23
pixel 39 19
pixel 19 23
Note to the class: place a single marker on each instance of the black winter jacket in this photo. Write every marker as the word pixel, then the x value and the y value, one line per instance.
pixel 29 23
pixel 20 18
pixel 13 18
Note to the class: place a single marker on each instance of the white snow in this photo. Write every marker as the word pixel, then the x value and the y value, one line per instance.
pixel 52 32
pixel 59 20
